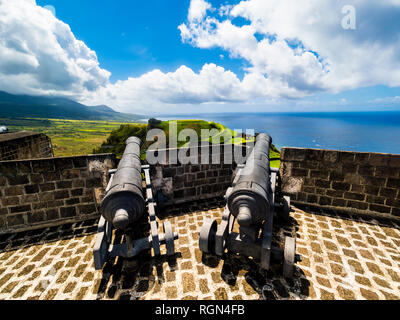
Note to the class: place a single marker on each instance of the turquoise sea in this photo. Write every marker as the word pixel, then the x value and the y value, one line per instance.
pixel 350 131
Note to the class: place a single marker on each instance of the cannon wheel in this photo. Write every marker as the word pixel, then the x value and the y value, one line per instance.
pixel 207 235
pixel 286 208
pixel 289 257
pixel 169 238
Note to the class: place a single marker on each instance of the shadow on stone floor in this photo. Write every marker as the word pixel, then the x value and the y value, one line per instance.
pixel 127 279
pixel 19 240
pixel 269 284
pixel 132 278
pixel 190 207
pixel 363 218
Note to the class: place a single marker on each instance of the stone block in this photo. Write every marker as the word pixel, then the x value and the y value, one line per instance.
pixel 22 208
pixel 51 176
pixel 373 190
pixel 17 180
pixel 24 167
pixel 80 162
pixel 341 186
pixel 36 178
pixel 15 220
pixel 375 199
pixel 366 170
pixel 87 209
pixel 10 201
pixel 33 188
pixel 63 163
pixel 388 193
pixel 322 183
pixel 347 157
pixel 291 154
pixel 36 217
pixel 393 183
pixel 64 184
pixel 52 214
pixel 331 156
pixel 47 187
pixel 321 174
pixel 62 194
pixel 335 193
pixel 357 205
pixel 379 208
pixel 67 212
pixel 394 161
pixel 376 159
pixel 325 201
pixel 339 203
pixel 43 166
pixel 8 168
pixel 354 196
pixel 299 173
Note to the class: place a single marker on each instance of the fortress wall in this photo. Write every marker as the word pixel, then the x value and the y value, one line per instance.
pixel 51 191
pixel 366 183
pixel 179 183
pixel 32 146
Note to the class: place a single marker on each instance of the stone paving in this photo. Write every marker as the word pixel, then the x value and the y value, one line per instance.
pixel 343 257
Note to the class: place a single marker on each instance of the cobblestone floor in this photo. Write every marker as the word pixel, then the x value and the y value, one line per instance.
pixel 344 257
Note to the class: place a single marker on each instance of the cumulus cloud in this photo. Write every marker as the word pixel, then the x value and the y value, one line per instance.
pixel 184 86
pixel 301 47
pixel 40 55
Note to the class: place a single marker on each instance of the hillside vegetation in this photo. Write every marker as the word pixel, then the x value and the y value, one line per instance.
pixel 24 106
pixel 69 137
pixel 115 143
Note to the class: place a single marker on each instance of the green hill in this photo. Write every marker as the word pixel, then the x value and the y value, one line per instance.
pixel 116 141
pixel 25 106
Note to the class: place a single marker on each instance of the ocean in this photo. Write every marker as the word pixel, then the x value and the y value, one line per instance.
pixel 348 131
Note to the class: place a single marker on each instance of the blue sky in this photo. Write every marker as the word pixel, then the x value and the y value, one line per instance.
pixel 134 37
pixel 188 56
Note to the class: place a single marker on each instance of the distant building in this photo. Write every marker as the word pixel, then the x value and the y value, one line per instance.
pixel 23 145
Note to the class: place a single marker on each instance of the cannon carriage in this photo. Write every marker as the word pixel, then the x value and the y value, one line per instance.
pixel 253 203
pixel 124 205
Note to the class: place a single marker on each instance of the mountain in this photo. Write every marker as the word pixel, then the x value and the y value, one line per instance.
pixel 24 106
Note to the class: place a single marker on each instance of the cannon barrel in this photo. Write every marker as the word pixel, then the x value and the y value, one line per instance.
pixel 124 202
pixel 251 197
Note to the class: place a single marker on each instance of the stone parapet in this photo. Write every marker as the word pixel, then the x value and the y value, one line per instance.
pixel 358 182
pixel 51 191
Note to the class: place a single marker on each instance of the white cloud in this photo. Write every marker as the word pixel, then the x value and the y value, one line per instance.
pixel 327 57
pixel 386 100
pixel 40 55
pixel 198 9
pixel 157 89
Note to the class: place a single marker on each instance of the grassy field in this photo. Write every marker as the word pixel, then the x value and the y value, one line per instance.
pixel 79 137
pixel 69 137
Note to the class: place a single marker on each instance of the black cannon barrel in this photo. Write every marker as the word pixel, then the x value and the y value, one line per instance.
pixel 124 202
pixel 251 197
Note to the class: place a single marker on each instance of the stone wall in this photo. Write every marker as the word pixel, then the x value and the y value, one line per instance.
pixel 51 191
pixel 25 145
pixel 179 183
pixel 366 183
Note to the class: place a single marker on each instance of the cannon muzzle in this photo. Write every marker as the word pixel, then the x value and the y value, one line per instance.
pixel 250 199
pixel 124 203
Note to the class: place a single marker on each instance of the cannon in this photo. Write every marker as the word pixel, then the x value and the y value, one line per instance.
pixel 123 205
pixel 253 203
